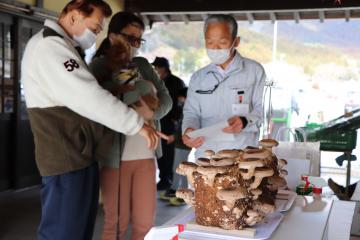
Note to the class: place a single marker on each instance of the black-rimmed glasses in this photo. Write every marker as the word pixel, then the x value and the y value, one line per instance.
pixel 134 41
pixel 210 91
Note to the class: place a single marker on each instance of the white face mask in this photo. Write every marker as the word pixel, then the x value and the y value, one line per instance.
pixel 86 39
pixel 134 52
pixel 219 56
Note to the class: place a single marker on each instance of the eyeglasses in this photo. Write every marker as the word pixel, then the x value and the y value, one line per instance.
pixel 210 91
pixel 134 41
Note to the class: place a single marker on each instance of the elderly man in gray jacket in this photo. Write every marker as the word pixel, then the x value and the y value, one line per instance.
pixel 229 88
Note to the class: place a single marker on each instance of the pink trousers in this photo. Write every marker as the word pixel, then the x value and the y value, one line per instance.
pixel 129 196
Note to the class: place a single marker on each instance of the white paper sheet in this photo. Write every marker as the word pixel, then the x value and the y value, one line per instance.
pixel 296 168
pixel 213 133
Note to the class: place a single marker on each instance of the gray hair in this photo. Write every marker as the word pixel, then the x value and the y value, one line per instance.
pixel 223 18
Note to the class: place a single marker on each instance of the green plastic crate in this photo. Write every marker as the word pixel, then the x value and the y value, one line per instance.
pixel 330 140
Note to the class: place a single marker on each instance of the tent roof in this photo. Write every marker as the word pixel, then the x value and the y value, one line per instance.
pixel 198 10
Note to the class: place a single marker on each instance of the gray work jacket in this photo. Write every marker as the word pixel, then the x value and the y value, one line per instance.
pixel 244 77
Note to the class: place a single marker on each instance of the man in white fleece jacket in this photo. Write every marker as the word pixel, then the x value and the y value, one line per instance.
pixel 67 110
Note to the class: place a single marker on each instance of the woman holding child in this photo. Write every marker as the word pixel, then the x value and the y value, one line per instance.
pixel 127 175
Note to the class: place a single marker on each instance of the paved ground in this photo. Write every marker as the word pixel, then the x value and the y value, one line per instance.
pixel 20 215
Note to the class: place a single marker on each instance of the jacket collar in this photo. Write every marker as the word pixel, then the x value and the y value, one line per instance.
pixel 57 28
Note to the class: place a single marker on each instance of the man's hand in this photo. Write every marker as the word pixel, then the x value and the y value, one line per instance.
pixel 150 135
pixel 192 142
pixel 235 125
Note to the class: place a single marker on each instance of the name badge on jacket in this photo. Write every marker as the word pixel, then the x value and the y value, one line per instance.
pixel 240 109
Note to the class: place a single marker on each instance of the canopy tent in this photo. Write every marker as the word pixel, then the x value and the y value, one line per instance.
pixel 198 10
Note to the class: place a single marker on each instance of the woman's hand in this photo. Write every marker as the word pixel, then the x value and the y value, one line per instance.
pixel 164 136
pixel 171 139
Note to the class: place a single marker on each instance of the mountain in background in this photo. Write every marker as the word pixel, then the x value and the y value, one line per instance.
pixel 332 33
pixel 309 44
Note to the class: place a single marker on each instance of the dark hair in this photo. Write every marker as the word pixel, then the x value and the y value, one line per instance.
pixel 117 23
pixel 86 7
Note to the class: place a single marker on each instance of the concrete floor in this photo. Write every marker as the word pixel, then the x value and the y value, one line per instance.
pixel 20 215
pixel 20 210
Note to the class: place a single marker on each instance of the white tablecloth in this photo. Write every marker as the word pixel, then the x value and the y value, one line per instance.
pixel 340 220
pixel 307 219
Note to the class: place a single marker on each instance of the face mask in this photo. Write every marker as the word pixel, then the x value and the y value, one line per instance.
pixel 86 39
pixel 134 52
pixel 219 56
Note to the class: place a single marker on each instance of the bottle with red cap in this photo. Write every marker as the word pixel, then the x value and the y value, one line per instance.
pixel 317 192
pixel 304 187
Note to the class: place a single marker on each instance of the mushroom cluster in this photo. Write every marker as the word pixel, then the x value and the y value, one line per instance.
pixel 235 188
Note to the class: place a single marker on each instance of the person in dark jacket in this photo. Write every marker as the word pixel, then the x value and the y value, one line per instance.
pixel 181 154
pixel 174 85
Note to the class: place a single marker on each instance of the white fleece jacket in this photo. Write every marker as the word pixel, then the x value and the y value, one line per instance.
pixel 54 74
